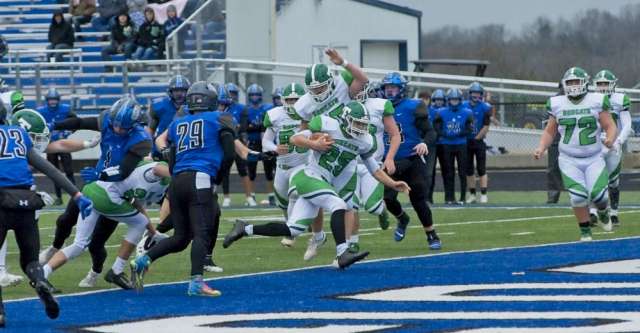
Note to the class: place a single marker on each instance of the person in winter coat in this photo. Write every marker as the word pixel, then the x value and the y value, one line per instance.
pixel 81 12
pixel 108 10
pixel 150 40
pixel 61 35
pixel 123 36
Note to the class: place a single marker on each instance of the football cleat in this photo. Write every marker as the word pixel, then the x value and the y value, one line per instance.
pixel 226 202
pixel 251 202
pixel 288 241
pixel 434 243
pixel 354 247
pixel 121 280
pixel 45 290
pixel 383 220
pixel 593 220
pixel 46 255
pixel 89 281
pixel 197 287
pixel 210 266
pixel 7 279
pixel 484 199
pixel 471 199
pixel 139 267
pixel 585 234
pixel 347 258
pixel 605 221
pixel 235 234
pixel 313 246
pixel 615 221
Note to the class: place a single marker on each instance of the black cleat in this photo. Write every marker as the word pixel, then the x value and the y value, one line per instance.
pixel 347 258
pixel 593 220
pixel 44 289
pixel 615 221
pixel 121 280
pixel 236 233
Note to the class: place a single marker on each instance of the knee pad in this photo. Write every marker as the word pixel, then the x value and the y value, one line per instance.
pixel 334 203
pixel 578 200
pixel 73 250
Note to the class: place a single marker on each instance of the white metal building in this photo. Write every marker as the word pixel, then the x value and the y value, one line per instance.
pixel 371 33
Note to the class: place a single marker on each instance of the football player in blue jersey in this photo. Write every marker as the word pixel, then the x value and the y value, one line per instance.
pixel 201 145
pixel 52 112
pixel 21 144
pixel 227 103
pixel 234 92
pixel 276 97
pixel 416 134
pixel 437 102
pixel 124 143
pixel 164 109
pixel 453 124
pixel 476 147
pixel 256 110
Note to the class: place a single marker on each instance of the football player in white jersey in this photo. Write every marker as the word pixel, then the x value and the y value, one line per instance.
pixel 605 83
pixel 579 117
pixel 349 138
pixel 281 123
pixel 121 201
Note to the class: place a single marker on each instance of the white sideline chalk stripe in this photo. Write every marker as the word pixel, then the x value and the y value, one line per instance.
pixel 524 233
pixel 329 265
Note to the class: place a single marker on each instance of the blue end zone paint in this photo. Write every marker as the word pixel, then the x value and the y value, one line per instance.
pixel 315 290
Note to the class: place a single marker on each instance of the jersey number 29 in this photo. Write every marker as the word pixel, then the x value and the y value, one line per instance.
pixel 190 135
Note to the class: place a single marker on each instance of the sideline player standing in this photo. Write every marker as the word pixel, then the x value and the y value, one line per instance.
pixel 580 116
pixel 476 147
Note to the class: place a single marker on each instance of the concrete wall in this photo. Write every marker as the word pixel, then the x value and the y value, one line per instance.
pixel 249 29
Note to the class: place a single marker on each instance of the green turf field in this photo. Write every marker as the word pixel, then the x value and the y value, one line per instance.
pixel 524 220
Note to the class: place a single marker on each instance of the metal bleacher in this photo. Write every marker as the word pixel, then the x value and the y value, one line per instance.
pixel 82 78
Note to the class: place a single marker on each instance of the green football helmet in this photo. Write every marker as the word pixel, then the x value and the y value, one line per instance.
pixel 35 125
pixel 605 82
pixel 575 82
pixel 292 92
pixel 319 82
pixel 356 119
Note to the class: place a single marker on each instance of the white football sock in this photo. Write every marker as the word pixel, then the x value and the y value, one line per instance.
pixel 118 265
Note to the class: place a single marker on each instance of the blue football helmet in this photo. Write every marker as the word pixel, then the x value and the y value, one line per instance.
pixel 395 79
pixel 178 87
pixel 438 98
pixel 476 92
pixel 233 91
pixel 276 97
pixel 224 98
pixel 126 113
pixel 254 94
pixel 454 97
pixel 52 93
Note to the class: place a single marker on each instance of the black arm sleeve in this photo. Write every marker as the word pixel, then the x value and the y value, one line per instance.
pixel 437 124
pixel 227 139
pixel 153 120
pixel 468 127
pixel 77 123
pixel 423 125
pixel 244 123
pixel 487 119
pixel 50 171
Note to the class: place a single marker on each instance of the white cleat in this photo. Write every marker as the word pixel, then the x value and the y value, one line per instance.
pixel 484 199
pixel 471 199
pixel 213 268
pixel 586 238
pixel 264 202
pixel 251 202
pixel 226 202
pixel 90 280
pixel 312 248
pixel 605 220
pixel 288 241
pixel 46 255
pixel 7 279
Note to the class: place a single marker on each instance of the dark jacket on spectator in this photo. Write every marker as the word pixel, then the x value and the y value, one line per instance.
pixel 82 7
pixel 171 24
pixel 110 8
pixel 60 33
pixel 123 33
pixel 151 34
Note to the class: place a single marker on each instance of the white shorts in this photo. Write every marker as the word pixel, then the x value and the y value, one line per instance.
pixel 586 179
pixel 370 191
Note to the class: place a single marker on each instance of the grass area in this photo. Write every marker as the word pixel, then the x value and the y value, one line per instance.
pixel 460 229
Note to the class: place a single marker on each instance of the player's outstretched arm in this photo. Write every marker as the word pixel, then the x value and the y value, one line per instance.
pixel 77 123
pixel 379 174
pixel 359 77
pixel 548 134
pixel 50 171
pixel 72 145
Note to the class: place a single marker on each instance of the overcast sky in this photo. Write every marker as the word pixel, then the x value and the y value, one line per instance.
pixel 512 13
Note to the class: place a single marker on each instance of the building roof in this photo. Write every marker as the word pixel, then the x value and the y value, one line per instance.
pixel 392 7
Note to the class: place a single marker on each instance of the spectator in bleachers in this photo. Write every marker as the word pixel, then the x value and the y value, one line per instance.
pixel 150 39
pixel 81 12
pixel 136 11
pixel 123 36
pixel 173 20
pixel 108 10
pixel 61 35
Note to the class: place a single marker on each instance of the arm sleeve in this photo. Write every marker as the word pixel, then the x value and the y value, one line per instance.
pixel 625 126
pixel 347 76
pixel 268 140
pixel 486 121
pixel 50 171
pixel 468 128
pixel 423 125
pixel 371 163
pixel 228 147
pixel 153 119
pixel 77 123
pixel 437 125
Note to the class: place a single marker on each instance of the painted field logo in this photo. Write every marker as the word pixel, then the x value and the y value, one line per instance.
pixel 567 288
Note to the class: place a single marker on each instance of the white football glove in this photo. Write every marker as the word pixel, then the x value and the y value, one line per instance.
pixel 48 199
pixel 92 143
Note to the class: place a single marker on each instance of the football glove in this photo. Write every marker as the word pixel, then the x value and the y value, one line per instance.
pixel 89 174
pixel 85 205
